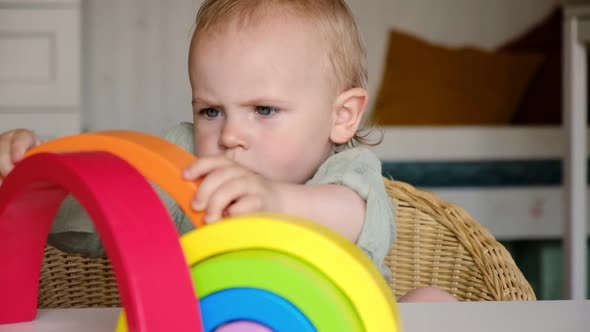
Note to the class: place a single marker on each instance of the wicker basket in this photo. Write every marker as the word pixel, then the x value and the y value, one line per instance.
pixel 73 281
pixel 438 244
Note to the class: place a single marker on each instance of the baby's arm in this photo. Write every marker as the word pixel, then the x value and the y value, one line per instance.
pixel 335 206
pixel 359 170
pixel 73 231
pixel 347 194
pixel 230 189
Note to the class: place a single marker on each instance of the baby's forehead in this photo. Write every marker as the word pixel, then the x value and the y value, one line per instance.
pixel 282 44
pixel 263 21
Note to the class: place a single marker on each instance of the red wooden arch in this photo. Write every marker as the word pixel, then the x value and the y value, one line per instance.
pixel 138 234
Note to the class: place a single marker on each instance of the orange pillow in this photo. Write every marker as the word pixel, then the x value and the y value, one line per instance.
pixel 426 84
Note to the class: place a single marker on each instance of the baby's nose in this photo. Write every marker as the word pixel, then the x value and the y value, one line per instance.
pixel 233 136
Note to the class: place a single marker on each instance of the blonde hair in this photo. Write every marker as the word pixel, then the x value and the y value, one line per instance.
pixel 346 47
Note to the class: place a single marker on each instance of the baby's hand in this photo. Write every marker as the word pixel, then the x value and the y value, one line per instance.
pixel 13 145
pixel 229 189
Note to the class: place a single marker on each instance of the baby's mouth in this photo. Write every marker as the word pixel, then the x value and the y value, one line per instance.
pixel 239 158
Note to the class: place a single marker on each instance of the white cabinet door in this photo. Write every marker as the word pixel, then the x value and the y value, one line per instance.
pixel 40 66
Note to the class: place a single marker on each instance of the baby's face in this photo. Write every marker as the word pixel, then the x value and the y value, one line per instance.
pixel 263 95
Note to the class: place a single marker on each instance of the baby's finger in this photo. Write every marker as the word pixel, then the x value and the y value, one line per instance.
pixel 5 154
pixel 228 193
pixel 246 204
pixel 213 181
pixel 22 141
pixel 203 166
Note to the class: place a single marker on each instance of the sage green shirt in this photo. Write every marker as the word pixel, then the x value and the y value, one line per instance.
pixel 357 168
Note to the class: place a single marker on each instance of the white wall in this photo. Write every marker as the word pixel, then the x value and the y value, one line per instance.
pixel 135 60
pixel 40 66
pixel 135 51
pixel 485 23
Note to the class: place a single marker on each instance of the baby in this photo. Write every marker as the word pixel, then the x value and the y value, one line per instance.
pixel 278 92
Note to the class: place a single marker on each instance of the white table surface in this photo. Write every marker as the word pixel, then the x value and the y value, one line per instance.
pixel 541 316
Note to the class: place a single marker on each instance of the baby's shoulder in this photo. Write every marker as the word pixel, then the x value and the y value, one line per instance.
pixel 357 164
pixel 357 157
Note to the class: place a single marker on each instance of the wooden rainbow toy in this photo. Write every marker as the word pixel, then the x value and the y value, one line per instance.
pixel 258 273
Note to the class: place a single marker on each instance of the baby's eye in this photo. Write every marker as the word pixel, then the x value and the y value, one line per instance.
pixel 210 112
pixel 266 110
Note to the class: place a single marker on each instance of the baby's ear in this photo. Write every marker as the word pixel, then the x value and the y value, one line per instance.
pixel 349 108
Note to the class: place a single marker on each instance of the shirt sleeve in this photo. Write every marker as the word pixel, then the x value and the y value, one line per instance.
pixel 73 231
pixel 360 170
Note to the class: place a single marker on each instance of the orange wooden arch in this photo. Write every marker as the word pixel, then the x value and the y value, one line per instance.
pixel 158 160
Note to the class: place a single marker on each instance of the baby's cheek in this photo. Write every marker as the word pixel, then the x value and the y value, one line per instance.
pixel 207 148
pixel 206 140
